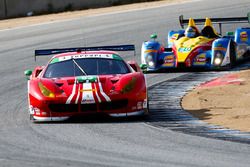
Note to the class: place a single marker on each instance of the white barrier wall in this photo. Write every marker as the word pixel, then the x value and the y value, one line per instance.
pixel 15 8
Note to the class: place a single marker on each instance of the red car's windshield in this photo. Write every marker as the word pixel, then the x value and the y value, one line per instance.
pixel 86 66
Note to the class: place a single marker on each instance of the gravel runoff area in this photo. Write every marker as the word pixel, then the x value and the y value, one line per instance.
pixel 221 102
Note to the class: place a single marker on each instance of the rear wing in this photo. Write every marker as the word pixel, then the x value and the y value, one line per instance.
pixel 220 21
pixel 119 48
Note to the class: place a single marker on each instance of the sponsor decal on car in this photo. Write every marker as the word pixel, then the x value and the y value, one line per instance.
pixel 184 49
pixel 87 79
pixel 87 96
pixel 200 59
pixel 169 61
pixel 87 90
pixel 150 51
pixel 243 36
pixel 220 48
pixel 81 56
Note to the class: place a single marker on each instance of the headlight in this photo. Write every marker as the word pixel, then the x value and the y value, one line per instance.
pixel 151 64
pixel 150 61
pixel 45 91
pixel 218 58
pixel 217 61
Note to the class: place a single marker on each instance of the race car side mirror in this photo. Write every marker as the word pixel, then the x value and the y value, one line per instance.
pixel 143 67
pixel 28 73
pixel 230 33
pixel 153 36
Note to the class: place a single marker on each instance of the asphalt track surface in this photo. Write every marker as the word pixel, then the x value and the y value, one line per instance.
pixel 95 141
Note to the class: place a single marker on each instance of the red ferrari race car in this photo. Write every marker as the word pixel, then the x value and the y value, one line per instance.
pixel 80 81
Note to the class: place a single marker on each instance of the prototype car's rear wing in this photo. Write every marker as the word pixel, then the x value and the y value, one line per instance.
pixel 119 48
pixel 220 21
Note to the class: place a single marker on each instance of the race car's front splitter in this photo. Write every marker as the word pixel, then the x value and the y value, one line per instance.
pixel 136 113
pixel 59 119
pixel 48 119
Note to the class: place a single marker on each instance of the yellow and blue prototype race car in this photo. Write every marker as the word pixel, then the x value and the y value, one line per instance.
pixel 205 49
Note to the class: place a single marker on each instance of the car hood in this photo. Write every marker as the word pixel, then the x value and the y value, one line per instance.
pixel 185 46
pixel 91 89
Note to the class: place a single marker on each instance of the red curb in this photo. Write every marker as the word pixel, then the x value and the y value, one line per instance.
pixel 221 81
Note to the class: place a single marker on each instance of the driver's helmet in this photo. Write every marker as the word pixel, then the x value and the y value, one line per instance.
pixel 191 32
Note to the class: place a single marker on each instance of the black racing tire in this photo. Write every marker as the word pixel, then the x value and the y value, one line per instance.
pixel 32 118
pixel 147 112
pixel 232 54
